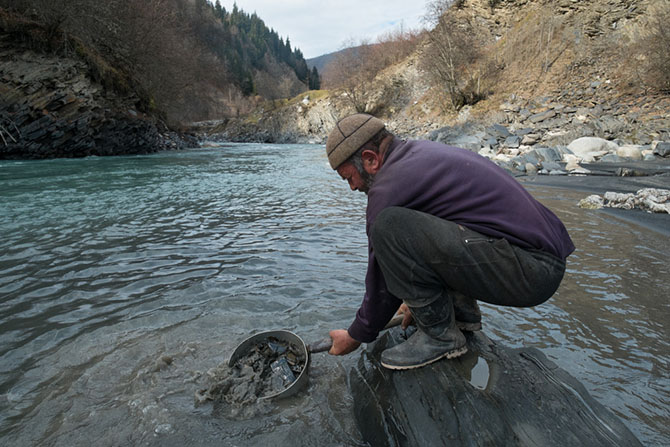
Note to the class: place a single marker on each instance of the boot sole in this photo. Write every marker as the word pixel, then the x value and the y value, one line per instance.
pixel 469 327
pixel 449 355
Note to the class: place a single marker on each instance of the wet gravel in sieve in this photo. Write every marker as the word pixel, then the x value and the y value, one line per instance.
pixel 269 368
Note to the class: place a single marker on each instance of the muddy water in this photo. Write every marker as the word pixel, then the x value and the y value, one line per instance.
pixel 124 280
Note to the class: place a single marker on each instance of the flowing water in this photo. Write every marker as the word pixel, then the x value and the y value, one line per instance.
pixel 124 280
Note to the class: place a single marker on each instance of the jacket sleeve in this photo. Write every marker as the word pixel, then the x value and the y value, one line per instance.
pixel 378 306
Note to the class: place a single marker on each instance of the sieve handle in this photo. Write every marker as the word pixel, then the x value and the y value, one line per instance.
pixel 322 345
pixel 325 344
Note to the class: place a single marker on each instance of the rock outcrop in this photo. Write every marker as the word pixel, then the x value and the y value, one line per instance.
pixel 50 107
pixel 492 395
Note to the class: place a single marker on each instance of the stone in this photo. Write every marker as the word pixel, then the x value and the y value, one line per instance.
pixel 524 131
pixel 491 142
pixel 35 134
pixel 531 157
pixel 572 166
pixel 507 107
pixel 662 148
pixel 630 151
pixel 551 166
pixel 502 158
pixel 469 142
pixel 570 159
pixel 608 125
pixel 54 110
pixel 624 201
pixel 492 395
pixel 563 150
pixel 539 117
pixel 654 200
pixel 486 152
pixel 589 145
pixel 610 158
pixel 531 168
pixel 499 131
pixel 530 138
pixel 512 141
pixel 554 123
pixel 592 202
pixel 546 153
pixel 579 171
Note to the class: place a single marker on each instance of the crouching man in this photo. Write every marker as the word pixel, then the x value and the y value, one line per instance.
pixel 446 228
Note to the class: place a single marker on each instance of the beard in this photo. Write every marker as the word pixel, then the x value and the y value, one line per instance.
pixel 368 180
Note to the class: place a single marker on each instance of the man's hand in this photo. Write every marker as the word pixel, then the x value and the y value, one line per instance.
pixel 407 319
pixel 343 343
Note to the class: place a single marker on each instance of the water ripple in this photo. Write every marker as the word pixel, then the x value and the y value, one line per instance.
pixel 109 264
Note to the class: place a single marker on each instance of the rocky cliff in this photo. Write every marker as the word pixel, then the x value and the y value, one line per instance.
pixel 51 104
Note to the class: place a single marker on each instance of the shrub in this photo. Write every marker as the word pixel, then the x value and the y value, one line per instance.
pixel 655 48
pixel 449 59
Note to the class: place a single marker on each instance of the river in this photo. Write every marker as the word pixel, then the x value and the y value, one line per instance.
pixel 123 280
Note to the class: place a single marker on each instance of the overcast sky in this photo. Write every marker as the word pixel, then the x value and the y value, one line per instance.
pixel 322 26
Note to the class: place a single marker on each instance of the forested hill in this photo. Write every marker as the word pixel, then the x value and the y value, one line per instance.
pixel 244 42
pixel 192 59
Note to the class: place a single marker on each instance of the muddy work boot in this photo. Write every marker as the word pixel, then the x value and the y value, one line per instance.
pixel 437 337
pixel 467 314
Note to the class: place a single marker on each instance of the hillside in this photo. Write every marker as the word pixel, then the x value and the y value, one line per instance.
pixel 83 77
pixel 321 62
pixel 194 59
pixel 517 59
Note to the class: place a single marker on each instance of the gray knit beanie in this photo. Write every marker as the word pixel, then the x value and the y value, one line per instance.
pixel 349 135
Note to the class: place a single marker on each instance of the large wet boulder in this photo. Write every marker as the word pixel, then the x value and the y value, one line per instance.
pixel 493 395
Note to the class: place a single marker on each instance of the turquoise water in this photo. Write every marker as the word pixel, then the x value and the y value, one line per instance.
pixel 124 280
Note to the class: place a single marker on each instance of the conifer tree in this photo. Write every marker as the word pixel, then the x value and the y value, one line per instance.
pixel 314 79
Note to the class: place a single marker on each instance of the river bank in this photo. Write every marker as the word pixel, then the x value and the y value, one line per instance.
pixel 616 146
pixel 592 131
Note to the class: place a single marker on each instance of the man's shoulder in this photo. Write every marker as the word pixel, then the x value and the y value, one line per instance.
pixel 431 150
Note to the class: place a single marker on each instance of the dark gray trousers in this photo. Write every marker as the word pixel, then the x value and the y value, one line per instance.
pixel 422 257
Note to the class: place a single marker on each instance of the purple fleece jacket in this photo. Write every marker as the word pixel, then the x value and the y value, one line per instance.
pixel 459 186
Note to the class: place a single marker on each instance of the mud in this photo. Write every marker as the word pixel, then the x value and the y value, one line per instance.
pixel 269 368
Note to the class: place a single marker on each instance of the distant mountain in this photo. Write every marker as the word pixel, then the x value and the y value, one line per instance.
pixel 321 61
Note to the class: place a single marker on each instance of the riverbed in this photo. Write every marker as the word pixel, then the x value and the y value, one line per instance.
pixel 123 280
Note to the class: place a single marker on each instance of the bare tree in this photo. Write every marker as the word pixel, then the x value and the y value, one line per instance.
pixel 649 49
pixel 356 67
pixel 348 73
pixel 448 58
